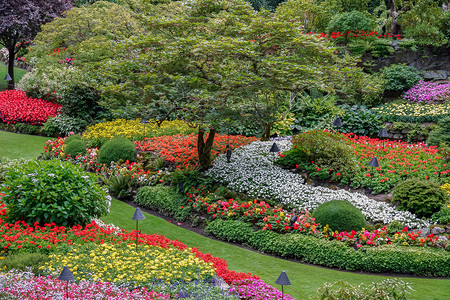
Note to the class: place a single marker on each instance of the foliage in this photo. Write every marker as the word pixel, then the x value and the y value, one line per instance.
pixel 164 200
pixel 6 164
pixel 119 185
pixel 421 197
pixel 442 216
pixel 349 21
pixel 75 147
pixel 52 191
pixel 339 215
pixel 65 125
pixel 71 138
pixel 22 20
pixel 26 128
pixel 16 107
pixel 416 132
pixel 428 93
pixel 23 261
pixel 118 148
pixel 440 134
pixel 386 289
pixel 400 77
pixel 236 232
pixel 81 102
pixel 395 227
pixel 412 112
pixel 360 121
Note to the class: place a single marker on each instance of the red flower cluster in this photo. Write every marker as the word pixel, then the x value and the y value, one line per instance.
pixel 16 107
pixel 182 150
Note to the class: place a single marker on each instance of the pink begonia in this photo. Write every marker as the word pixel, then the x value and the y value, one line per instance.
pixel 25 285
pixel 256 289
pixel 428 92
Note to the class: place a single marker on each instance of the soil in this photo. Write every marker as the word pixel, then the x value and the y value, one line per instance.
pixel 201 231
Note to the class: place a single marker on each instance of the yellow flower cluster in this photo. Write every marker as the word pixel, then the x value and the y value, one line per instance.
pixel 134 130
pixel 414 109
pixel 122 263
pixel 446 188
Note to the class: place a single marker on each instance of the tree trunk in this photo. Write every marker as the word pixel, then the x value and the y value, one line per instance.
pixel 266 135
pixel 395 28
pixel 204 148
pixel 11 54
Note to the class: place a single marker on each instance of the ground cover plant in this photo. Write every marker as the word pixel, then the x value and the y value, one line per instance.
pixel 428 93
pixel 413 112
pixel 16 107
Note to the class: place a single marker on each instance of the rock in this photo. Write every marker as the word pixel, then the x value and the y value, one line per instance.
pixel 447 229
pixel 425 232
pixel 442 238
pixel 397 136
pixel 435 74
pixel 437 230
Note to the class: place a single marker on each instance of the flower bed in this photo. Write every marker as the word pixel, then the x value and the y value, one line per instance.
pixel 16 107
pixel 428 92
pixel 413 112
pixel 252 170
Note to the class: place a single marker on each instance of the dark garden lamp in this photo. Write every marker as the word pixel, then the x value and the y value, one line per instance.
pixel 228 154
pixel 7 77
pixel 275 148
pixel 295 131
pixel 292 220
pixel 66 276
pixel 137 216
pixel 283 280
pixel 383 133
pixel 337 122
pixel 144 121
pixel 180 188
pixel 374 164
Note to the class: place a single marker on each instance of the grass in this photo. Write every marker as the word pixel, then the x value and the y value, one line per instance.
pixel 18 74
pixel 305 279
pixel 13 145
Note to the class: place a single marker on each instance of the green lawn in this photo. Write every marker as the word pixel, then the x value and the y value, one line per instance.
pixel 18 74
pixel 14 145
pixel 305 279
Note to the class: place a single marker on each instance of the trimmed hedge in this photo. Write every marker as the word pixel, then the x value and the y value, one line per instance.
pixel 386 259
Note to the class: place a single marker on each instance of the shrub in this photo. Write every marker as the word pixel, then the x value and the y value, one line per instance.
pixel 81 102
pixel 7 163
pixel 421 197
pixel 349 21
pixel 440 134
pixel 24 261
pixel 164 200
pixel 339 215
pixel 75 148
pixel 395 227
pixel 71 138
pixel 327 150
pixel 53 191
pixel 65 124
pixel 400 77
pixel 237 232
pixel 119 185
pixel 119 148
pixel 442 216
pixel 360 121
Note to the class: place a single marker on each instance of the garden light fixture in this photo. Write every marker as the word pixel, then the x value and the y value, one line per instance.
pixel 337 122
pixel 66 276
pixel 7 77
pixel 283 280
pixel 274 148
pixel 374 164
pixel 383 133
pixel 137 216
pixel 228 154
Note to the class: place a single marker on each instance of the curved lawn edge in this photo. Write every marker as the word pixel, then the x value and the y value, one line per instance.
pixel 14 146
pixel 305 278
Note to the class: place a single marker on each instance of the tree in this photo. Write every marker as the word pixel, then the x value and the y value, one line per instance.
pixel 21 21
pixel 213 60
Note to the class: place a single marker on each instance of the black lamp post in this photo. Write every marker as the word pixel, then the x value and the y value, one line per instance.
pixel 374 164
pixel 137 216
pixel 283 280
pixel 8 78
pixel 274 148
pixel 66 275
pixel 383 134
pixel 337 122
pixel 228 154
pixel 144 121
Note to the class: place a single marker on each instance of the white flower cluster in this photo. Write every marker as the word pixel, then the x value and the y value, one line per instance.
pixel 252 170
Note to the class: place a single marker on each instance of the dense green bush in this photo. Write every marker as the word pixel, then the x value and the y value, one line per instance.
pixel 164 200
pixel 310 249
pixel 239 232
pixel 64 125
pixel 440 134
pixel 75 147
pixel 339 215
pixel 442 216
pixel 351 21
pixel 7 163
pixel 421 197
pixel 53 191
pixel 23 261
pixel 81 102
pixel 118 148
pixel 72 137
pixel 400 77
pixel 119 185
pixel 327 150
pixel 360 120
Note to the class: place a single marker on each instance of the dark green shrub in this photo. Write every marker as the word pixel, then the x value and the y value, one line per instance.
pixel 351 21
pixel 421 197
pixel 442 216
pixel 293 157
pixel 72 137
pixel 81 102
pixel 440 134
pixel 237 231
pixel 360 120
pixel 26 128
pixel 339 215
pixel 395 227
pixel 118 148
pixel 381 48
pixel 64 125
pixel 75 147
pixel 400 77
pixel 23 261
pixel 119 186
pixel 164 200
pixel 327 150
pixel 53 191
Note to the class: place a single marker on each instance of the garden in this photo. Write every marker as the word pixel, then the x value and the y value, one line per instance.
pixel 198 149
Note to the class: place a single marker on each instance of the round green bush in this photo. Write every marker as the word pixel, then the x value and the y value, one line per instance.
pixel 71 138
pixel 53 191
pixel 421 197
pixel 340 215
pixel 75 147
pixel 400 77
pixel 350 21
pixel 116 149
